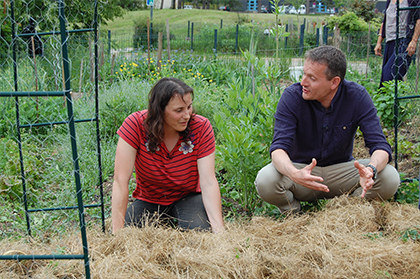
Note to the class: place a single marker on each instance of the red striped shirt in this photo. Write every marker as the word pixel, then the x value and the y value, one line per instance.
pixel 166 177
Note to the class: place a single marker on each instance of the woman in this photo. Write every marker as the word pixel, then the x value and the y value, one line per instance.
pixel 173 153
pixel 409 31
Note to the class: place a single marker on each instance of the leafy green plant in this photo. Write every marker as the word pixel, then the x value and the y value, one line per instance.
pixel 348 22
pixel 411 234
pixel 384 102
pixel 408 192
pixel 245 126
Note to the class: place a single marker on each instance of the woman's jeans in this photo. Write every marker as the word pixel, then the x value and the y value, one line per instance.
pixel 187 213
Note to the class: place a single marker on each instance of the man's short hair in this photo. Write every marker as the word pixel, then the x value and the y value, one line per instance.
pixel 332 57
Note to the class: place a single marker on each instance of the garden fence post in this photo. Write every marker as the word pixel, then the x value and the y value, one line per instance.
pixel 367 52
pixel 188 33
pixel 285 40
pixel 302 33
pixel 215 42
pixel 168 40
pixel 159 52
pixel 221 23
pixel 325 35
pixel 236 38
pixel 317 37
pixel 151 34
pixel 192 35
pixel 109 44
pixel 148 45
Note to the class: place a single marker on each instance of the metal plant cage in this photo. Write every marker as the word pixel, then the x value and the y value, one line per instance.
pixel 47 59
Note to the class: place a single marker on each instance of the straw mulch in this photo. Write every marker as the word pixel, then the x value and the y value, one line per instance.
pixel 350 238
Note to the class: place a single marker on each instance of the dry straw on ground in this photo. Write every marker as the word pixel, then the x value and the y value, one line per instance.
pixel 350 238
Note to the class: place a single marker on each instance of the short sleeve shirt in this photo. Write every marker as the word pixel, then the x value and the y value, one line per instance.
pixel 165 177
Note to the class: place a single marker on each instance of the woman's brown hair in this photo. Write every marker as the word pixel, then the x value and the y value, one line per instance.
pixel 160 95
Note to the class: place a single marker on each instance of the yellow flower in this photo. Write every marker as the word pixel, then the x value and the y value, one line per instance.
pixel 210 80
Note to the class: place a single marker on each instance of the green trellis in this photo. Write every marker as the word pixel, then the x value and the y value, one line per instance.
pixel 70 121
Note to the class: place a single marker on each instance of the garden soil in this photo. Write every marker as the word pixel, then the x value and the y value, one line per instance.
pixel 349 238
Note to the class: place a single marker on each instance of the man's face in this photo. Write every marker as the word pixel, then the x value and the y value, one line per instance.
pixel 315 85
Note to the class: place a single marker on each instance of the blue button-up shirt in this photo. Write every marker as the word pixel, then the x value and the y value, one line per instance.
pixel 306 130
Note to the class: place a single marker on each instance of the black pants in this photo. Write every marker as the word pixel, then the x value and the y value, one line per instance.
pixel 187 213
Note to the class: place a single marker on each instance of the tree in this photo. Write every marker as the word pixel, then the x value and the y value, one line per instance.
pixel 295 3
pixel 364 9
pixel 79 13
pixel 349 22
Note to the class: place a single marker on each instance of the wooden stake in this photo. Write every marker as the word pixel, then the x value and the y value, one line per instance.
pixel 112 67
pixel 168 41
pixel 159 58
pixel 148 45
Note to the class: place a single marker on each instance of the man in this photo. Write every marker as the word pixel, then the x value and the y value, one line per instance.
pixel 315 124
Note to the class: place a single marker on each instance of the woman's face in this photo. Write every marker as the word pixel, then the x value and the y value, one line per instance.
pixel 177 113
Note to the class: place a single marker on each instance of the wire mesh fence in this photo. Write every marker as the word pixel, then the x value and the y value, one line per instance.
pixel 53 167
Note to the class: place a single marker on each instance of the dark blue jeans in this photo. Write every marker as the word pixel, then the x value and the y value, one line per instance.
pixel 390 69
pixel 187 213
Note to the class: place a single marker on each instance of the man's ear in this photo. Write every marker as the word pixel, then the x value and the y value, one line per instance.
pixel 335 82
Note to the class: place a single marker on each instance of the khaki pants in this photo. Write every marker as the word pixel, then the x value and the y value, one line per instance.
pixel 342 178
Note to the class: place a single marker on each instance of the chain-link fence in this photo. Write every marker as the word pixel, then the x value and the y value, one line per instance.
pixel 50 147
pixel 404 79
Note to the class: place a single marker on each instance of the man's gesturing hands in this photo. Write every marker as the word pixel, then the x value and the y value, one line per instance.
pixel 305 178
pixel 366 177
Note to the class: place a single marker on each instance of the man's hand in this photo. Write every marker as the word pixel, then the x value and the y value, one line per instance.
pixel 305 178
pixel 366 177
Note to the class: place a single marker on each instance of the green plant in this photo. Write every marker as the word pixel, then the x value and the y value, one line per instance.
pixel 411 234
pixel 348 22
pixel 384 103
pixel 245 127
pixel 408 192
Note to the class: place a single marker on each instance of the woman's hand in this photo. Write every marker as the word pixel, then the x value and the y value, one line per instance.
pixel 411 48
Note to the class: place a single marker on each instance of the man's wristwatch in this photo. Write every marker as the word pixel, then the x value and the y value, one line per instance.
pixel 375 171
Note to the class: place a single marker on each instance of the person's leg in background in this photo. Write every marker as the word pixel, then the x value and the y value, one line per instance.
pixel 392 68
